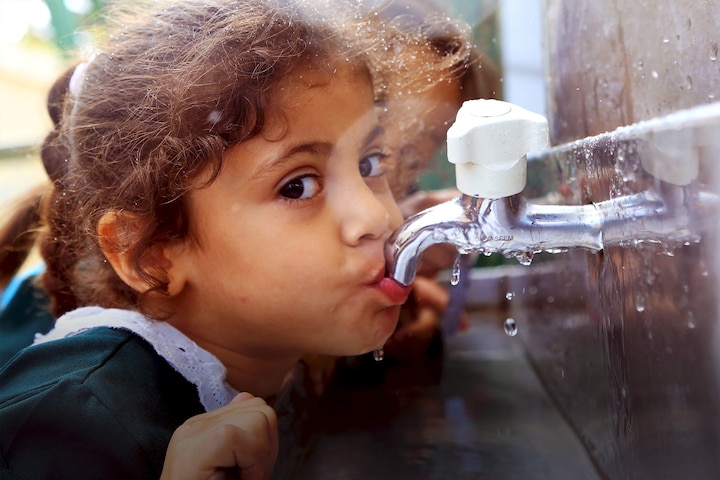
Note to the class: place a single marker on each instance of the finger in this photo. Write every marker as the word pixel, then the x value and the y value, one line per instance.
pixel 252 442
pixel 254 472
pixel 424 325
pixel 242 396
pixel 240 435
pixel 225 474
pixel 267 432
pixel 430 294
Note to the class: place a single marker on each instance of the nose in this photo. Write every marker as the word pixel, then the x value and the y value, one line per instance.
pixel 364 214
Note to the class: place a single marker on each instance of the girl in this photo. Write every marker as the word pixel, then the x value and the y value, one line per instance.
pixel 219 210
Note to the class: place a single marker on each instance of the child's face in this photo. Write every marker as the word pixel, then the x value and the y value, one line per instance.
pixel 418 125
pixel 291 235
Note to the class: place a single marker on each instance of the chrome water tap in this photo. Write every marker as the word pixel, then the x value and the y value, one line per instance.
pixel 488 144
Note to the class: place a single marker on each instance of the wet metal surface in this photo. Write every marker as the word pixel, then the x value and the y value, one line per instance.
pixel 630 355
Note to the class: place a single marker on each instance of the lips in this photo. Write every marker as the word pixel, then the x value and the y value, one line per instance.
pixel 394 291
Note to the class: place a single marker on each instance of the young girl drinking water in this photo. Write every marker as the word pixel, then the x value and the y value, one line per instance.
pixel 219 210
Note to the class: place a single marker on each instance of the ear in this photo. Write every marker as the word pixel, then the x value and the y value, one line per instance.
pixel 118 236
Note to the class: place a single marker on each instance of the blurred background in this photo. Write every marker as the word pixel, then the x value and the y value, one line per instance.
pixel 39 39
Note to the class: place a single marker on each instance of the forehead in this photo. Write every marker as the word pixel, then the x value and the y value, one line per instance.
pixel 324 98
pixel 319 74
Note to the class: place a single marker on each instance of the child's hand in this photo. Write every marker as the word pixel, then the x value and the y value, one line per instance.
pixel 239 440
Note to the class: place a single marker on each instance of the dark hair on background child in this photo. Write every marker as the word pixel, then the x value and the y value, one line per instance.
pixel 149 117
pixel 479 75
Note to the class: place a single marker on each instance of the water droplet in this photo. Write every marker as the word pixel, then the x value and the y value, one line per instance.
pixel 378 355
pixel 509 296
pixel 714 52
pixel 455 276
pixel 655 74
pixel 525 258
pixel 639 303
pixel 690 320
pixel 688 82
pixel 510 327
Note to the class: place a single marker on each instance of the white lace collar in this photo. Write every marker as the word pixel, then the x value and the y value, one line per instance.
pixel 197 365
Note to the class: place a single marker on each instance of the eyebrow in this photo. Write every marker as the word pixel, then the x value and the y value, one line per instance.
pixel 280 161
pixel 373 135
pixel 321 148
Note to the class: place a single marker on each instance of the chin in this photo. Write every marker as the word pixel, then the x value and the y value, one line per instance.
pixel 387 320
pixel 371 334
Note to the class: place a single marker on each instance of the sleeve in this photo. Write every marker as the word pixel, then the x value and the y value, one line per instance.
pixel 76 437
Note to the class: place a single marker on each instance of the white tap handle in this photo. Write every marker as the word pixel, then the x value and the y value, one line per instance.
pixel 489 143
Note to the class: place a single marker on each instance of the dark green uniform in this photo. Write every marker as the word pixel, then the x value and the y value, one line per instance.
pixel 26 313
pixel 99 405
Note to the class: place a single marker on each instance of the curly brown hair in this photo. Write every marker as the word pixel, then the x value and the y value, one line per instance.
pixel 175 85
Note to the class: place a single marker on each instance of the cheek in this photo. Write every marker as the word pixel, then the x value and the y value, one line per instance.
pixel 292 259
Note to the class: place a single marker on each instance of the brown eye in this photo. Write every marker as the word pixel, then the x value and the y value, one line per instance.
pixel 372 165
pixel 300 188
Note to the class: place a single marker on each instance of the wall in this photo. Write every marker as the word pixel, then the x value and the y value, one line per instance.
pixel 632 359
pixel 617 62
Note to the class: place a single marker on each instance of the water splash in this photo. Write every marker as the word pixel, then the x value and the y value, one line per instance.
pixel 378 355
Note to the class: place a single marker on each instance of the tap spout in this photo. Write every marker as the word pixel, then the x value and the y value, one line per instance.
pixel 514 227
pixel 438 224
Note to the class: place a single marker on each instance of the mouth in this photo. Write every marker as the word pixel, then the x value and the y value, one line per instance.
pixel 394 291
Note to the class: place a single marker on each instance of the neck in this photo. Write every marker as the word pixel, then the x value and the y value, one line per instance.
pixel 251 366
pixel 262 377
